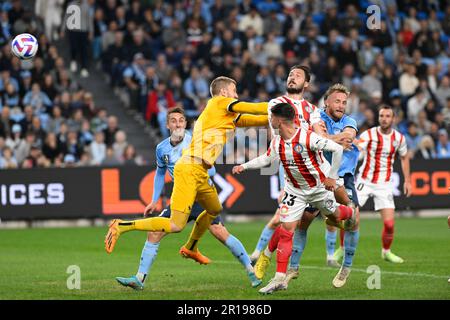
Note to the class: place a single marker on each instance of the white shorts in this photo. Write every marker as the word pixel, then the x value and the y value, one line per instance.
pixel 295 201
pixel 382 194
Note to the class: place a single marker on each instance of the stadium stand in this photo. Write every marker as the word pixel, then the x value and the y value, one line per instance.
pixel 160 54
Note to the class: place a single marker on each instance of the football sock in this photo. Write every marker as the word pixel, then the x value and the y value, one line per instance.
pixel 330 239
pixel 284 250
pixel 345 212
pixel 350 243
pixel 264 238
pixel 149 224
pixel 238 250
pixel 388 234
pixel 298 246
pixel 273 242
pixel 148 255
pixel 201 225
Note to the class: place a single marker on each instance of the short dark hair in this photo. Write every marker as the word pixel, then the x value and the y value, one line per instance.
pixel 305 69
pixel 386 107
pixel 283 110
pixel 176 110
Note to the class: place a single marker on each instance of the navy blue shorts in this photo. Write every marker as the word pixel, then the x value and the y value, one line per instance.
pixel 195 212
pixel 349 185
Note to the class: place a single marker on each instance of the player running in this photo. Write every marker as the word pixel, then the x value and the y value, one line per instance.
pixel 167 154
pixel 216 124
pixel 338 126
pixel 381 144
pixel 309 180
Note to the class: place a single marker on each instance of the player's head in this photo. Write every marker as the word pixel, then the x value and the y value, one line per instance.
pixel 223 86
pixel 176 120
pixel 386 116
pixel 335 100
pixel 298 79
pixel 282 113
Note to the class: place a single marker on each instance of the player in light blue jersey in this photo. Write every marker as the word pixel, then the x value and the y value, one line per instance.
pixel 167 154
pixel 338 126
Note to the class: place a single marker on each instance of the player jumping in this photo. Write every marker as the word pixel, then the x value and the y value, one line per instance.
pixel 381 145
pixel 216 124
pixel 309 179
pixel 307 116
pixel 338 126
pixel 167 154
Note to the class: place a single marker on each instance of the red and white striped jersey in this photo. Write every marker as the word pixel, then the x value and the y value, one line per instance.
pixel 306 113
pixel 302 158
pixel 380 154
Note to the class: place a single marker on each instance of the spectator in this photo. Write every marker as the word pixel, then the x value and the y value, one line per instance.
pixel 37 99
pixel 371 82
pixel 100 121
pixel 195 87
pixel 416 104
pixel 120 144
pixel 443 145
pixel 135 80
pixel 443 91
pixel 85 136
pixel 111 130
pixel 158 103
pixel 408 81
pixel 110 159
pixel 412 138
pixel 97 149
pixel 7 161
pixel 426 149
pixel 51 148
pixel 73 146
pixel 366 56
pixel 252 19
pixel 15 140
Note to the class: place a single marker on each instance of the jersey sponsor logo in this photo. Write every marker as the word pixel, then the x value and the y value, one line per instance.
pixel 298 148
pixel 32 194
pixel 284 210
pixel 329 204
pixel 308 109
pixel 166 159
pixel 395 144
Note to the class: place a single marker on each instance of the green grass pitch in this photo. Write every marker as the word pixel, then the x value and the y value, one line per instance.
pixel 33 265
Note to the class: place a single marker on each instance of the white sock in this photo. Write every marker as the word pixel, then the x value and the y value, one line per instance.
pixel 255 254
pixel 280 275
pixel 141 276
pixel 384 251
pixel 330 257
pixel 267 252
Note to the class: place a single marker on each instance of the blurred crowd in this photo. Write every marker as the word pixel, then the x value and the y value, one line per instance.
pixel 165 53
pixel 161 54
pixel 47 118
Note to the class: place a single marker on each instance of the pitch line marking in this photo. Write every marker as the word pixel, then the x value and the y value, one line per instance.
pixel 406 274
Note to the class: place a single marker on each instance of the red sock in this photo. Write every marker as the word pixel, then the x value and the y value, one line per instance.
pixel 284 250
pixel 345 212
pixel 341 237
pixel 388 234
pixel 273 243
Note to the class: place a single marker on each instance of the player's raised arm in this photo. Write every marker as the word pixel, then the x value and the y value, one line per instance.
pixel 258 108
pixel 249 120
pixel 259 162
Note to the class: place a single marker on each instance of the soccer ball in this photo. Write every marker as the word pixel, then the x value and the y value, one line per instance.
pixel 24 46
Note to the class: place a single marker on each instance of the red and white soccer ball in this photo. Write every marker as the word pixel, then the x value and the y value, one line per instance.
pixel 24 46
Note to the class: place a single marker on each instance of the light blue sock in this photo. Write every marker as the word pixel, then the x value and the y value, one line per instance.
pixel 264 238
pixel 298 246
pixel 350 243
pixel 330 239
pixel 148 255
pixel 238 250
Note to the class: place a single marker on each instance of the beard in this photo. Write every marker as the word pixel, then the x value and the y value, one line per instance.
pixel 295 90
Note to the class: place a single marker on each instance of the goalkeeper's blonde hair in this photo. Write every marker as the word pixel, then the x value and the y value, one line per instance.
pixel 219 83
pixel 337 87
